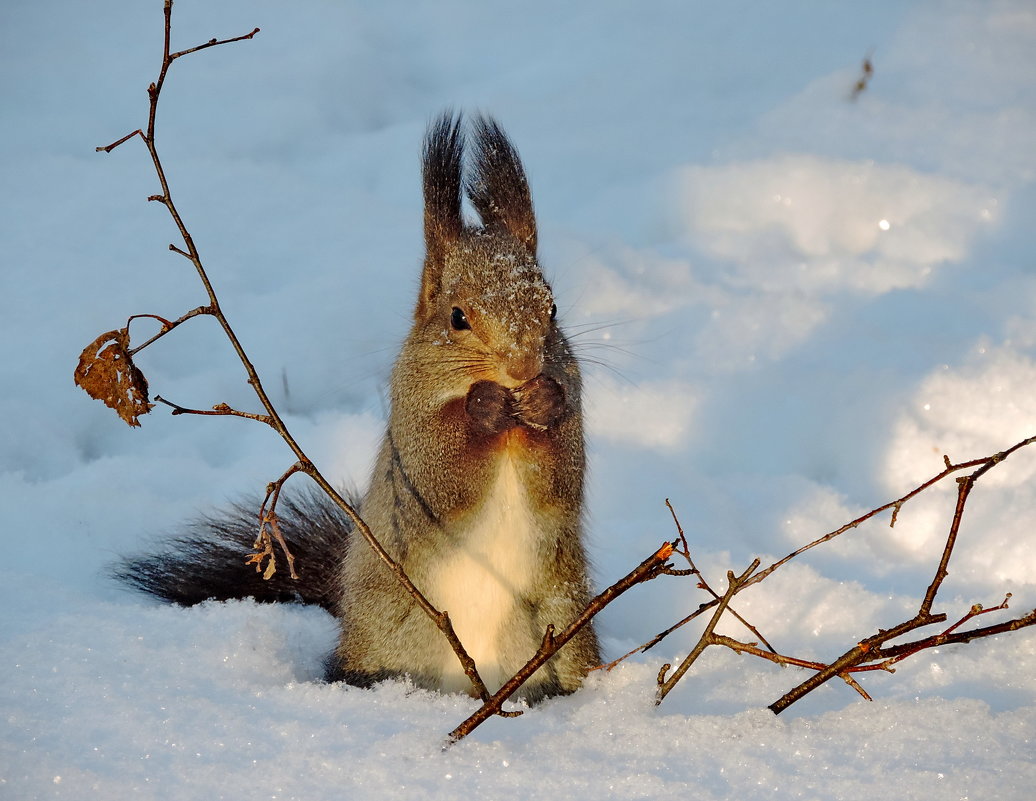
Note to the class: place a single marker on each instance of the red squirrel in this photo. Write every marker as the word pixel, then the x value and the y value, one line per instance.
pixel 478 486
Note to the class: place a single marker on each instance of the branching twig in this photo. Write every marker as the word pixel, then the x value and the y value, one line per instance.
pixel 885 658
pixel 896 653
pixel 733 584
pixel 870 654
pixel 270 529
pixel 683 548
pixel 685 552
pixel 651 567
pixel 868 649
pixel 782 660
pixel 272 417
pixel 854 656
pixel 167 325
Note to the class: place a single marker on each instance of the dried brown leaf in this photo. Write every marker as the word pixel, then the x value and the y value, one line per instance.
pixel 106 372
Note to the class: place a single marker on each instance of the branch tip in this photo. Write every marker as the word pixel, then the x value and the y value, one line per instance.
pixel 126 138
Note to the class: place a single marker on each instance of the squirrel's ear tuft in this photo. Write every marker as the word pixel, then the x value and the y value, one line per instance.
pixel 443 221
pixel 497 185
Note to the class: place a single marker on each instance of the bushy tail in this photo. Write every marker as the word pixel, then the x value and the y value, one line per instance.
pixel 208 560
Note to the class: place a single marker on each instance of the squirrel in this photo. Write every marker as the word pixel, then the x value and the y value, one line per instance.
pixel 477 490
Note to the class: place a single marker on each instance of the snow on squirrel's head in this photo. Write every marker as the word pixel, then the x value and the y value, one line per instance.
pixel 482 287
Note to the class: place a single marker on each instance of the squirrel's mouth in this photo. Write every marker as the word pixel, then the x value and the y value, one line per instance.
pixel 516 376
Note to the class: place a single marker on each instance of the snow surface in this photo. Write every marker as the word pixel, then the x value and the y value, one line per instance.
pixel 791 306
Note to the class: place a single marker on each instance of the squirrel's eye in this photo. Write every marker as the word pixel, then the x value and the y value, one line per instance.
pixel 553 310
pixel 459 320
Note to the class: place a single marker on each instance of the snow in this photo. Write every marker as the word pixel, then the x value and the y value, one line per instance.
pixel 790 304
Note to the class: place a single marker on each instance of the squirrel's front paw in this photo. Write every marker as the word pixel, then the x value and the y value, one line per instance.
pixel 541 402
pixel 491 407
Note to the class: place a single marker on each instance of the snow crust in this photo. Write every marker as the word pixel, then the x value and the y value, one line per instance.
pixel 790 305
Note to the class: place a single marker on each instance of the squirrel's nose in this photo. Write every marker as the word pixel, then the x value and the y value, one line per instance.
pixel 525 368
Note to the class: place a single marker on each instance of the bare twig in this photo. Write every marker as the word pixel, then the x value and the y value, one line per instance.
pixel 702 609
pixel 964 485
pixel 682 547
pixel 270 529
pixel 685 552
pixel 212 43
pixel 870 654
pixel 272 417
pixel 848 679
pixel 650 568
pixel 167 325
pixel 782 660
pixel 872 647
pixel 854 656
pixel 115 144
pixel 219 410
pixel 739 647
pixel 884 658
pixel 985 464
pixel 733 584
pixel 896 653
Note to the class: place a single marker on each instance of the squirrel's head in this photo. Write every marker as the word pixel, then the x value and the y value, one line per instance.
pixel 482 290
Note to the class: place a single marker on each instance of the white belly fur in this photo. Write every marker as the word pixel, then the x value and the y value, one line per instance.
pixel 479 581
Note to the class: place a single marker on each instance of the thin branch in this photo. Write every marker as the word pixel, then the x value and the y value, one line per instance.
pixel 685 552
pixel 848 679
pixel 126 138
pixel 212 43
pixel 270 529
pixel 272 417
pixel 733 584
pixel 648 569
pixel 964 485
pixel 975 611
pixel 869 653
pixel 658 637
pixel 780 659
pixel 854 656
pixel 863 651
pixel 219 410
pixel 683 548
pixel 167 325
pixel 751 648
pixel 896 653
pixel 984 464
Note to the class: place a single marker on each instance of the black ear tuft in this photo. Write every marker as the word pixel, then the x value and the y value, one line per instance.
pixel 497 185
pixel 443 221
pixel 443 157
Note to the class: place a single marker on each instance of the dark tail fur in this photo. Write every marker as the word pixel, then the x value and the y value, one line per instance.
pixel 208 560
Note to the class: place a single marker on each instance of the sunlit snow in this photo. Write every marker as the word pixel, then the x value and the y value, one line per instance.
pixel 791 305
